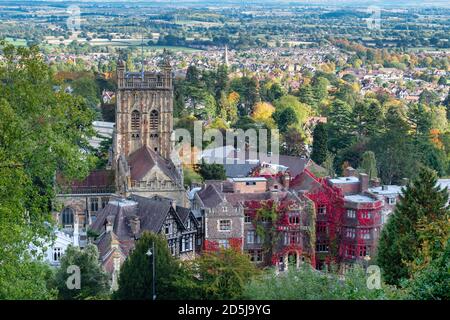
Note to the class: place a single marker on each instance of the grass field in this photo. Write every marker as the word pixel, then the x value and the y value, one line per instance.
pixel 16 42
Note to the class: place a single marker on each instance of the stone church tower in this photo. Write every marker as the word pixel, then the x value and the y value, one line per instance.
pixel 142 143
pixel 144 111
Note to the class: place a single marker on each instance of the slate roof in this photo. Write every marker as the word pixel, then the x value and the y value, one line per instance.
pixel 144 159
pixel 210 196
pixel 152 213
pixel 238 170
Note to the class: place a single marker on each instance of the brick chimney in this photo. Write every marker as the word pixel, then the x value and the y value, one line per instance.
pixel 285 180
pixel 135 225
pixel 375 182
pixel 363 182
pixel 349 172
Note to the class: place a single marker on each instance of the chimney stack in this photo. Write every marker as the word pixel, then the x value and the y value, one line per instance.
pixel 349 172
pixel 363 182
pixel 135 225
pixel 375 182
pixel 174 204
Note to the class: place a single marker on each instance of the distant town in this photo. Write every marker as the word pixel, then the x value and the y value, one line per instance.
pixel 108 193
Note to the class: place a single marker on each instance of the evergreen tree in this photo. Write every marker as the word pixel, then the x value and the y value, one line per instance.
pixel 400 242
pixel 284 118
pixel 212 171
pixel 136 274
pixel 192 75
pixel 369 164
pixel 306 95
pixel 339 126
pixel 394 149
pixel 320 143
pixel 93 280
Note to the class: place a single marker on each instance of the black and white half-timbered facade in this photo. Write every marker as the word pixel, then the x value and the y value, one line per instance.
pixel 123 221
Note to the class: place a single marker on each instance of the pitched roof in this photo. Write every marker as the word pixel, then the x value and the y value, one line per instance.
pixel 151 212
pixel 305 181
pixel 210 196
pixel 98 179
pixel 144 159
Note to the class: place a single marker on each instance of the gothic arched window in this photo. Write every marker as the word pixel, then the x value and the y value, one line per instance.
pixel 154 121
pixel 135 120
pixel 67 217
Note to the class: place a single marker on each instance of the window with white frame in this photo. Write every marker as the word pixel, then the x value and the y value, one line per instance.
pixel 364 233
pixel 366 215
pixel 322 209
pixel 247 219
pixel 350 233
pixel 168 228
pixel 224 225
pixel 251 237
pixel 224 209
pixel 294 219
pixel 350 251
pixel 322 246
pixel 391 200
pixel 364 251
pixel 57 252
pixel 351 213
pixel 187 243
pixel 255 255
pixel 224 243
pixel 294 238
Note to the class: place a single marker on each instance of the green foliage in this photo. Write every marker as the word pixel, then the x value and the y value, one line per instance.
pixel 339 126
pixel 320 144
pixel 284 118
pixel 41 132
pixel 400 240
pixel 27 280
pixel 369 164
pixel 190 176
pixel 301 110
pixel 135 279
pixel 248 89
pixel 305 283
pixel 395 149
pixel 220 275
pixel 213 171
pixel 432 282
pixel 94 281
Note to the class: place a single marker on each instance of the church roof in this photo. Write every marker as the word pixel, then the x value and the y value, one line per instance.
pixel 144 159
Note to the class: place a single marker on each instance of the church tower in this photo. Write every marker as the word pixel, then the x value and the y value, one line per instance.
pixel 144 111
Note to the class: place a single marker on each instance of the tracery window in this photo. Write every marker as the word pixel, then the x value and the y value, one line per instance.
pixel 135 120
pixel 154 121
pixel 67 217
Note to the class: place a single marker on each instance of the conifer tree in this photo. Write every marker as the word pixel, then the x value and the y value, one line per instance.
pixel 400 240
pixel 320 142
pixel 136 274
pixel 369 164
